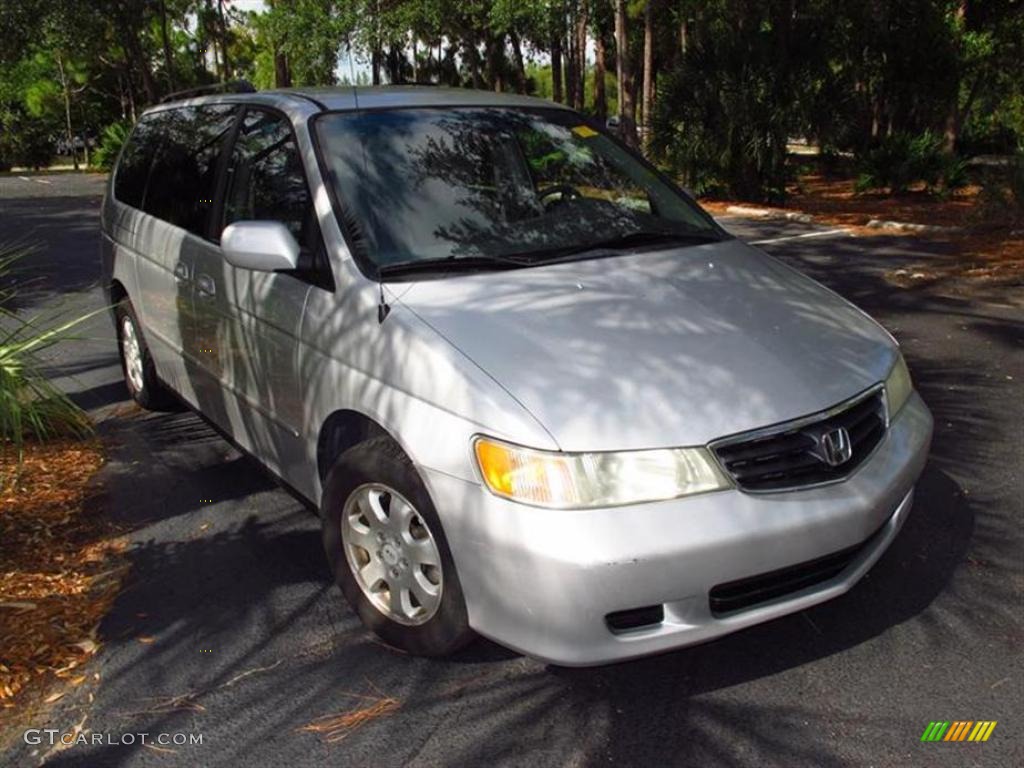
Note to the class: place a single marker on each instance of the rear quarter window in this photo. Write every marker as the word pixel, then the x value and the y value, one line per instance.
pixel 135 161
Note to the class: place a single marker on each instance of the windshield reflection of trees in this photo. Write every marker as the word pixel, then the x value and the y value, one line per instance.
pixel 483 159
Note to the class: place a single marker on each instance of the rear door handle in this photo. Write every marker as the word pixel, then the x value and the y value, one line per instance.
pixel 206 286
pixel 181 272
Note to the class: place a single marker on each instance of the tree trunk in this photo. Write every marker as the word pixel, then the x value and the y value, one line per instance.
pixel 122 96
pixel 648 90
pixel 67 109
pixel 85 139
pixel 473 58
pixel 953 117
pixel 165 39
pixel 394 59
pixel 624 74
pixel 135 55
pixel 600 97
pixel 224 40
pixel 375 66
pixel 517 52
pixel 571 59
pixel 493 48
pixel 556 68
pixel 581 49
pixel 282 72
pixel 206 21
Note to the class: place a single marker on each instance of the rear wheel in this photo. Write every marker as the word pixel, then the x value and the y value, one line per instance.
pixel 388 551
pixel 144 385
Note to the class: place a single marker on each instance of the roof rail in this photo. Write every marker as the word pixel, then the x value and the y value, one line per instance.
pixel 234 86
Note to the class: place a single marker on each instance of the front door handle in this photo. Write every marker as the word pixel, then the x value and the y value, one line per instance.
pixel 181 272
pixel 206 286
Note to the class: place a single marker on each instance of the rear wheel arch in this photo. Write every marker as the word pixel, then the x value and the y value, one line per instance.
pixel 117 292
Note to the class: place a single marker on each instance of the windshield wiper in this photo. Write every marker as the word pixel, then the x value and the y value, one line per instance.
pixel 450 264
pixel 481 263
pixel 624 242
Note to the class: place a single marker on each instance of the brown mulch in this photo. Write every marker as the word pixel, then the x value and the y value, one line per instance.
pixel 835 200
pixel 988 250
pixel 60 568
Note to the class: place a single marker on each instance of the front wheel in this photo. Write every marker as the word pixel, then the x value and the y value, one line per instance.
pixel 388 551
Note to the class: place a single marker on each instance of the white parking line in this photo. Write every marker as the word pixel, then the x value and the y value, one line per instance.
pixel 798 237
pixel 37 181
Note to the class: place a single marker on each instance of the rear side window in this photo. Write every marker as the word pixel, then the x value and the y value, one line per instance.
pixel 136 158
pixel 265 178
pixel 184 175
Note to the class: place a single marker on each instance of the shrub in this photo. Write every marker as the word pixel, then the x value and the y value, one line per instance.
pixel 1002 193
pixel 24 142
pixel 113 138
pixel 30 406
pixel 721 121
pixel 902 160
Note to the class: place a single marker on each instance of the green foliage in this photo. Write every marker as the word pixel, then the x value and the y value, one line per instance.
pixel 748 77
pixel 538 83
pixel 1002 192
pixel 902 160
pixel 24 141
pixel 723 115
pixel 30 406
pixel 113 138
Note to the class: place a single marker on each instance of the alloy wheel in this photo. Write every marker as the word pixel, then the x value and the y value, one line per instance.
pixel 392 554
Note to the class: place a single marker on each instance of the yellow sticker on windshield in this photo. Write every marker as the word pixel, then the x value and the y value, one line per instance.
pixel 584 131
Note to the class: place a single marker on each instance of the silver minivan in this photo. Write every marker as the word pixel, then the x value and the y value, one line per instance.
pixel 534 390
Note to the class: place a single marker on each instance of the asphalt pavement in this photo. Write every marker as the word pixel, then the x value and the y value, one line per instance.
pixel 229 628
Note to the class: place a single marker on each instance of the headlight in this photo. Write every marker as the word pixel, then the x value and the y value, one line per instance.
pixel 582 480
pixel 898 386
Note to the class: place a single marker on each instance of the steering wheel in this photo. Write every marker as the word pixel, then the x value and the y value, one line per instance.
pixel 567 192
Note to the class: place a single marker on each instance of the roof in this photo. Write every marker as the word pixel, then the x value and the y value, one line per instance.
pixel 377 97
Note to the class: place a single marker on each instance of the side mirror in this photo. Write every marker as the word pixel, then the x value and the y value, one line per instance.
pixel 263 246
pixel 612 124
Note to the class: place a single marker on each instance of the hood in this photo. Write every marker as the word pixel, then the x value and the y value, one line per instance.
pixel 659 349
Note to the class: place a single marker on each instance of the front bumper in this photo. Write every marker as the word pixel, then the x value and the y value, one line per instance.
pixel 542 582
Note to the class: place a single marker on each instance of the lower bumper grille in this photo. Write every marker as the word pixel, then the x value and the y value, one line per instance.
pixel 752 591
pixel 804 452
pixel 635 618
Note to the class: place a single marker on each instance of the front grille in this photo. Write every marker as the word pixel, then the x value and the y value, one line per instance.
pixel 745 593
pixel 791 455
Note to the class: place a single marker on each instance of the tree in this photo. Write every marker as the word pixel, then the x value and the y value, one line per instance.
pixel 624 75
pixel 648 90
pixel 600 21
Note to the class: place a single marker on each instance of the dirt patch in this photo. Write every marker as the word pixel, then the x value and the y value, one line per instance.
pixel 985 251
pixel 61 566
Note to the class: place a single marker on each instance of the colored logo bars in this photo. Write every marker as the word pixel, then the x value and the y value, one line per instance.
pixel 958 730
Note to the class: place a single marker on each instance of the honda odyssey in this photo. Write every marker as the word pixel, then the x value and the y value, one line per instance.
pixel 534 390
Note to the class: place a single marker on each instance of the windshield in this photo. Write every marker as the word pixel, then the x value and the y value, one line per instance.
pixel 423 185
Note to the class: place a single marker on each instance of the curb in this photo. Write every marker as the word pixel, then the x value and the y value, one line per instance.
pixel 768 213
pixel 904 226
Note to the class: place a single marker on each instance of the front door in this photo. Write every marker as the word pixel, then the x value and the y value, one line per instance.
pixel 255 318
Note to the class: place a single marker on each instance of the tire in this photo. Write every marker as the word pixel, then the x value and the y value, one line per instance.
pixel 140 375
pixel 431 626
